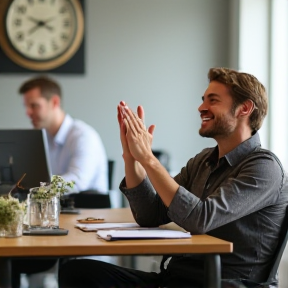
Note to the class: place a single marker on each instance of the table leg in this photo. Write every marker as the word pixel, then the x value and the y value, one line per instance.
pixel 212 271
pixel 5 272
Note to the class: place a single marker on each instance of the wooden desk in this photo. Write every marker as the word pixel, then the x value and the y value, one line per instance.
pixel 79 243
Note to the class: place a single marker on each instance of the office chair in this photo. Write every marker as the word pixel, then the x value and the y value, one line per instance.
pixel 111 164
pixel 92 199
pixel 272 281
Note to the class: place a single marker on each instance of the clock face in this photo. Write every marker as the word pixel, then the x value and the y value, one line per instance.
pixel 42 31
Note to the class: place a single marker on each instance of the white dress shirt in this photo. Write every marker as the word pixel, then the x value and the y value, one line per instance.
pixel 77 153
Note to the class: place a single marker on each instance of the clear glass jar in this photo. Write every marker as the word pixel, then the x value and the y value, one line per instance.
pixel 43 213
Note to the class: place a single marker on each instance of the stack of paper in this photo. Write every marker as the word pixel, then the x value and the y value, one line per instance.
pixel 148 233
pixel 100 226
pixel 121 231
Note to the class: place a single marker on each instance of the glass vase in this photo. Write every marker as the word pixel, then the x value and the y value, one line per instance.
pixel 43 213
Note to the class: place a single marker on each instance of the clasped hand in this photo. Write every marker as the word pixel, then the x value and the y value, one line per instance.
pixel 135 138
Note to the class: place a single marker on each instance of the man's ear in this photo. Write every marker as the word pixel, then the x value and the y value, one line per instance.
pixel 246 108
pixel 56 101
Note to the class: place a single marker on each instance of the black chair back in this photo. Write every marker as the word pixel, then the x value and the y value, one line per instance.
pixel 272 280
pixel 110 173
pixel 91 199
pixel 280 249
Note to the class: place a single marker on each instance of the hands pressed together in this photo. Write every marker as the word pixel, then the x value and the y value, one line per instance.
pixel 135 138
pixel 139 160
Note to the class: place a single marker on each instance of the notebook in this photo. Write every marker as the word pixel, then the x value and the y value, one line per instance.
pixel 149 233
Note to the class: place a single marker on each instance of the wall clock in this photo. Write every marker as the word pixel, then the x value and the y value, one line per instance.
pixel 41 35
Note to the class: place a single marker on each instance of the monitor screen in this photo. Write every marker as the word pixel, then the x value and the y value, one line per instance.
pixel 24 151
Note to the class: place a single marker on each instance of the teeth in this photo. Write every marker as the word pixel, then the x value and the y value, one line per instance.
pixel 206 119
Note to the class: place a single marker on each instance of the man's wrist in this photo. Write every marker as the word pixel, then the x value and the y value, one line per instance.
pixel 149 161
pixel 128 158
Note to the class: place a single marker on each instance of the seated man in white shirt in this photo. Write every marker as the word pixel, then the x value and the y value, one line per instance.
pixel 76 152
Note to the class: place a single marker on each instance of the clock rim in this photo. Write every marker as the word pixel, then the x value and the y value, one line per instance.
pixel 38 64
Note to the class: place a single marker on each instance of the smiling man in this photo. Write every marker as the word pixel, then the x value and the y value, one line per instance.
pixel 236 191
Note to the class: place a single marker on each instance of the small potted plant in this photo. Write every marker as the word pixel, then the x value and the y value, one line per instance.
pixel 44 202
pixel 56 188
pixel 11 216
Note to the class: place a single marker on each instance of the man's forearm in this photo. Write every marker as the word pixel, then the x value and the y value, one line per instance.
pixel 134 173
pixel 161 180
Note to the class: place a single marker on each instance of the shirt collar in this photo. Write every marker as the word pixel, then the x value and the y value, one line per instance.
pixel 62 133
pixel 237 154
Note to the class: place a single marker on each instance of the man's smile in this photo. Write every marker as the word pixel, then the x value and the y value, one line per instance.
pixel 206 119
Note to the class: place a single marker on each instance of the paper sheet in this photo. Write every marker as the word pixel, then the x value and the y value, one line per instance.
pixel 99 226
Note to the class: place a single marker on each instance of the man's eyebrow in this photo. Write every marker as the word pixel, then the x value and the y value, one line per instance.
pixel 210 95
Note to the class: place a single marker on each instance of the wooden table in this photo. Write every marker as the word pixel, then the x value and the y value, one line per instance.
pixel 79 243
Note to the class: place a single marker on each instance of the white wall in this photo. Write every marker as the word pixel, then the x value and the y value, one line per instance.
pixel 254 48
pixel 153 53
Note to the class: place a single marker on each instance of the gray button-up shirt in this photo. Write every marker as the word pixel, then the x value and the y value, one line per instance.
pixel 240 198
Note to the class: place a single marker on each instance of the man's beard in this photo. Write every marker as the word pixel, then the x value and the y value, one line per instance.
pixel 222 126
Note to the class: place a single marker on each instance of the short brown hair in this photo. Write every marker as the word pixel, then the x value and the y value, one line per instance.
pixel 47 86
pixel 243 86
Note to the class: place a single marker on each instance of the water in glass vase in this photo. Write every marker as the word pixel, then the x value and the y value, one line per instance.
pixel 43 213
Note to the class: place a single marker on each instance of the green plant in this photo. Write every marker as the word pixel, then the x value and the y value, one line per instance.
pixel 9 209
pixel 57 187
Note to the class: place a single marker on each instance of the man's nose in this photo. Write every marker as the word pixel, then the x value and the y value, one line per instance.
pixel 202 107
pixel 29 111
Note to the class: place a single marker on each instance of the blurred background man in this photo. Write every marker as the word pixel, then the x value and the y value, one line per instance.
pixel 76 149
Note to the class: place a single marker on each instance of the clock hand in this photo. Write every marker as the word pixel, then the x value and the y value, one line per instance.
pixel 34 20
pixel 40 24
pixel 40 21
pixel 46 21
pixel 33 29
pixel 49 20
pixel 49 27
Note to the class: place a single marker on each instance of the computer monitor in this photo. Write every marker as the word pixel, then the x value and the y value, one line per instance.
pixel 24 151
